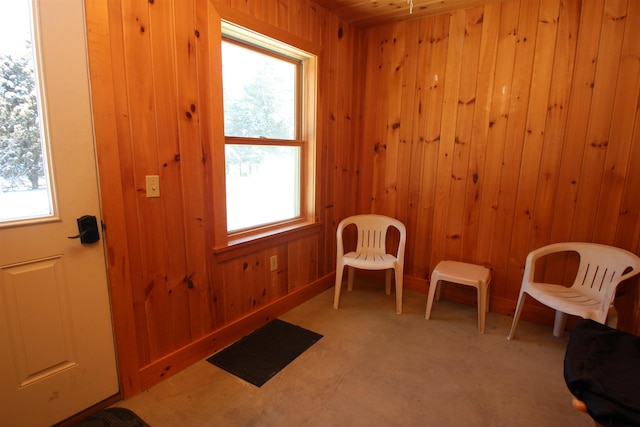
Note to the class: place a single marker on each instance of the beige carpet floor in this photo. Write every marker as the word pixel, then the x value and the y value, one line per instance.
pixel 376 368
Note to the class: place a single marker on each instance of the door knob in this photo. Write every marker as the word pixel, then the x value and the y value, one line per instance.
pixel 87 230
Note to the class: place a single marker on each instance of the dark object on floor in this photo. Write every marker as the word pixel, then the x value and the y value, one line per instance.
pixel 112 417
pixel 601 369
pixel 263 353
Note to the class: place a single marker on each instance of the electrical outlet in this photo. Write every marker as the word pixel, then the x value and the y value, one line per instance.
pixel 274 262
pixel 153 185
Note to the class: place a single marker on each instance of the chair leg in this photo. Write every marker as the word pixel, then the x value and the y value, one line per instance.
pixel 399 274
pixel 387 281
pixel 612 318
pixel 432 292
pixel 559 324
pixel 350 273
pixel 336 295
pixel 516 315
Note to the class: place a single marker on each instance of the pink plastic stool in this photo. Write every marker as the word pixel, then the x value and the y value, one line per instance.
pixel 464 274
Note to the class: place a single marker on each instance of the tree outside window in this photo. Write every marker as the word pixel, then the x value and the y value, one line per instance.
pixel 20 146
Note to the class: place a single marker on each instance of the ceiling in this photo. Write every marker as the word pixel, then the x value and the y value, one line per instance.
pixel 367 13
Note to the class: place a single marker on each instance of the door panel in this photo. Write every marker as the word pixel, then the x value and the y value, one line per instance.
pixel 39 319
pixel 57 353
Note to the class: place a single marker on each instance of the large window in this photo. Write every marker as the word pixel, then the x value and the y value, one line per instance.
pixel 267 122
pixel 25 185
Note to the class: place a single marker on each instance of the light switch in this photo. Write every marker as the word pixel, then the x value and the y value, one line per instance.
pixel 153 185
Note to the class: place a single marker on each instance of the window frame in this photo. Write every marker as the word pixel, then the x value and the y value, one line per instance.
pixel 286 48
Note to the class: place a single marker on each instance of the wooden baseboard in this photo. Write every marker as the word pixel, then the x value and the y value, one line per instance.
pixel 200 349
pixel 416 284
pixel 89 411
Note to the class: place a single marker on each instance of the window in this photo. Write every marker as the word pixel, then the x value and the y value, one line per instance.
pixel 25 190
pixel 268 117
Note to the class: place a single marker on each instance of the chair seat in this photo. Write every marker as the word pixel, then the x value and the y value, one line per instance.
pixel 567 300
pixel 366 261
pixel 466 274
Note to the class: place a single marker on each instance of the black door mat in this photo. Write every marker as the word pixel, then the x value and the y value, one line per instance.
pixel 263 353
pixel 112 417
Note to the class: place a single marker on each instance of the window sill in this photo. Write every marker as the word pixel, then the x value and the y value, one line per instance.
pixel 247 244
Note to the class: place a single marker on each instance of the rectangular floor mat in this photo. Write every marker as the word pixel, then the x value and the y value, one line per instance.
pixel 266 351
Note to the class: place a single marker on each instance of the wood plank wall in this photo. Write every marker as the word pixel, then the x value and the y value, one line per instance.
pixel 498 129
pixel 157 104
pixel 488 131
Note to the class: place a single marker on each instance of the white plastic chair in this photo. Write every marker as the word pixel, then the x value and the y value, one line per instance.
pixel 601 269
pixel 371 253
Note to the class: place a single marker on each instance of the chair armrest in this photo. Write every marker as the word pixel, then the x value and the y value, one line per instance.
pixel 534 255
pixel 550 249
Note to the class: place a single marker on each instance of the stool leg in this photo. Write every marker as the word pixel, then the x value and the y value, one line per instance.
pixel 482 302
pixel 432 292
pixel 488 295
pixel 438 292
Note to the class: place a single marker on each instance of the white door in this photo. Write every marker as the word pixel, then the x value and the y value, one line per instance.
pixel 57 353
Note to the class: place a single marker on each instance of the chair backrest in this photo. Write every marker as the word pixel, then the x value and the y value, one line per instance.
pixel 602 268
pixel 372 234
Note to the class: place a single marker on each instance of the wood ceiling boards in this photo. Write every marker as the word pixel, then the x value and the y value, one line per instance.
pixel 368 13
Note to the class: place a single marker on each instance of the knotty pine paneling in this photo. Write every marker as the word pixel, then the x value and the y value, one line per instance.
pixel 488 131
pixel 157 105
pixel 528 134
pixel 248 282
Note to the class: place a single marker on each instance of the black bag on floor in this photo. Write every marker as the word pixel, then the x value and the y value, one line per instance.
pixel 602 369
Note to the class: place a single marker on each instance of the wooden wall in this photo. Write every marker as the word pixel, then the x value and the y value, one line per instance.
pixel 499 129
pixel 178 291
pixel 488 132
